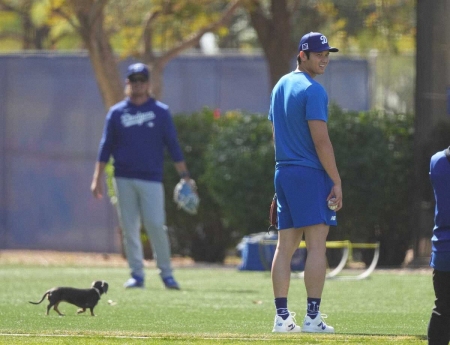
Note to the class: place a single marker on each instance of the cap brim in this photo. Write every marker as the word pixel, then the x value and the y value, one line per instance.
pixel 330 49
pixel 138 73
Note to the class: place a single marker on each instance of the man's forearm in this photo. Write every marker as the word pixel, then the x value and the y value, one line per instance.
pixel 99 170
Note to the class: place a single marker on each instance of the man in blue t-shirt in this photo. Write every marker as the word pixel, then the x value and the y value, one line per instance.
pixel 439 325
pixel 307 181
pixel 136 133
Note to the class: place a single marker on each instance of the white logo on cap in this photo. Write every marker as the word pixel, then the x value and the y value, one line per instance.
pixel 305 46
pixel 323 39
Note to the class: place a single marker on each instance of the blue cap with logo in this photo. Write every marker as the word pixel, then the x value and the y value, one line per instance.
pixel 315 42
pixel 138 68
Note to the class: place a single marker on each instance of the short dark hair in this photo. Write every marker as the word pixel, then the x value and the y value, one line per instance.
pixel 299 61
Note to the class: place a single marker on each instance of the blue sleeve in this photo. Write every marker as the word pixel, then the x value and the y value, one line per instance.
pixel 106 143
pixel 171 140
pixel 270 117
pixel 316 103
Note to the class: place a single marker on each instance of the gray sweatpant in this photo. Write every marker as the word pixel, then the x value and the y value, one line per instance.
pixel 139 202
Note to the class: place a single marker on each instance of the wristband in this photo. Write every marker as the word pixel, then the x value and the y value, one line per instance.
pixel 184 174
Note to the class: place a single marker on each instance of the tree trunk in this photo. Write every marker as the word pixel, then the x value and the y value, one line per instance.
pixel 106 72
pixel 432 81
pixel 157 80
pixel 274 35
pixel 90 16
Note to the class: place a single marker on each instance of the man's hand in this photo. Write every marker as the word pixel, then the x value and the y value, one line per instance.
pixel 97 188
pixel 336 195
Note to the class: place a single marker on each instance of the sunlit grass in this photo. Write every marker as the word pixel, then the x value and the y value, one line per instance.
pixel 215 305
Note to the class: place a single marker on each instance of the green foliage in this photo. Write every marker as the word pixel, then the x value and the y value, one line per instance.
pixel 388 26
pixel 204 237
pixel 234 166
pixel 232 160
pixel 239 171
pixel 172 22
pixel 34 24
pixel 375 159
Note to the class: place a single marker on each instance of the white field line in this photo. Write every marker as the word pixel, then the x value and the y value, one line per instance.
pixel 127 336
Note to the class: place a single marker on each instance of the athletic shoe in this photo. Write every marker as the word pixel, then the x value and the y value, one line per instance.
pixel 285 326
pixel 134 282
pixel 170 283
pixel 316 325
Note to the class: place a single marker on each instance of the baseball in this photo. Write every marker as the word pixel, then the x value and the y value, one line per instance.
pixel 331 204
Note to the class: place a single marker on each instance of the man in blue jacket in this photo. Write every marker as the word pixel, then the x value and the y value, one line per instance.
pixel 136 133
pixel 439 326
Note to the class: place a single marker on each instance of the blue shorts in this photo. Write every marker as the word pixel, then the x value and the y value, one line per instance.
pixel 302 197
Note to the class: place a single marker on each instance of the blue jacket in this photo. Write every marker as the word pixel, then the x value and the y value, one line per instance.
pixel 440 242
pixel 136 137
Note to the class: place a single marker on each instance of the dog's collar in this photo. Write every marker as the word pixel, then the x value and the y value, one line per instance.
pixel 98 291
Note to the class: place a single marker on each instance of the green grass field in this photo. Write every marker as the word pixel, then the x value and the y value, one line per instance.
pixel 216 305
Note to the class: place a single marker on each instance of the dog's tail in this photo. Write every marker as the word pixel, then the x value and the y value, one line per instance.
pixel 43 297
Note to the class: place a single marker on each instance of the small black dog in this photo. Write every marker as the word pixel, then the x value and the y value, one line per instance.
pixel 82 298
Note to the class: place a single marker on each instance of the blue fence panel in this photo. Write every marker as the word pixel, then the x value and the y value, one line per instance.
pixel 3 162
pixel 189 86
pixel 51 120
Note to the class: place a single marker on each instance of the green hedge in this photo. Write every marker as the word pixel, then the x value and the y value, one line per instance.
pixel 204 237
pixel 232 160
pixel 375 159
pixel 239 171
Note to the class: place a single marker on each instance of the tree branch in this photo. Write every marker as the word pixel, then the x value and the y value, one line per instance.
pixel 67 17
pixel 260 22
pixel 147 34
pixel 195 38
pixel 13 35
pixel 96 10
pixel 7 7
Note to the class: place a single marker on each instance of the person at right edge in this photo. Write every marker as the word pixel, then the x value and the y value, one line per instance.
pixel 306 178
pixel 439 325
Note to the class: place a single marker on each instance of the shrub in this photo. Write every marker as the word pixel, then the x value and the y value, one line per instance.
pixel 204 237
pixel 239 171
pixel 232 160
pixel 375 159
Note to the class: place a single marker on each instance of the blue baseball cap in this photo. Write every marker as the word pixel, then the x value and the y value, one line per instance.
pixel 315 42
pixel 138 68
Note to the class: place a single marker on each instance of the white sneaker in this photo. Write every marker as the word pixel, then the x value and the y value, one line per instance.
pixel 316 325
pixel 285 326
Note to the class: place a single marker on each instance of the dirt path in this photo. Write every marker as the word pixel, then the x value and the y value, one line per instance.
pixel 78 259
pixel 55 258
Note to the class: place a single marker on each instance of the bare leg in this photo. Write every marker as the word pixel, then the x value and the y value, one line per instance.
pixel 288 242
pixel 316 262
